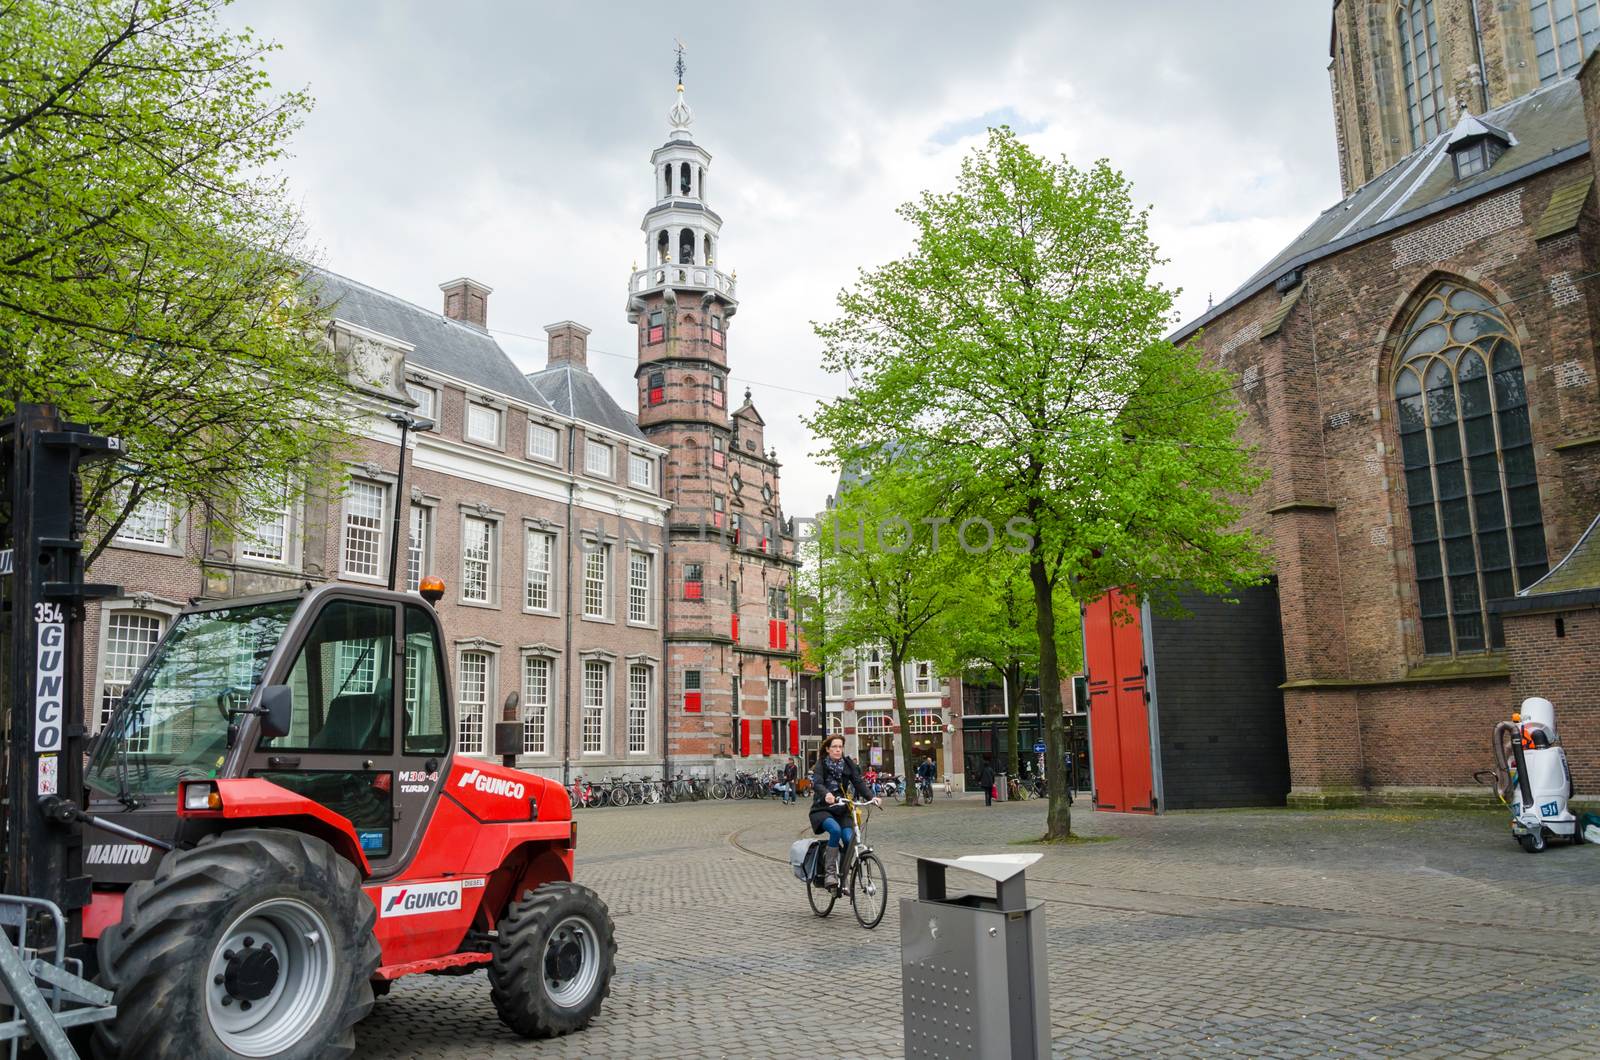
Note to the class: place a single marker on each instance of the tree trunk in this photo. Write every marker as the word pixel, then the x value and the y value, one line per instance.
pixel 1013 675
pixel 907 781
pixel 1059 824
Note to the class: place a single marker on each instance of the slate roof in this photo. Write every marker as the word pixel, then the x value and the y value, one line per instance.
pixel 449 346
pixel 572 391
pixel 1547 129
pixel 1579 570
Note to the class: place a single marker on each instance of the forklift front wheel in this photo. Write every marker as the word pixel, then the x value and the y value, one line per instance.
pixel 1532 842
pixel 553 958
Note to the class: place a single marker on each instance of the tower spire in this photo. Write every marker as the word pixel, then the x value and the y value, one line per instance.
pixel 678 66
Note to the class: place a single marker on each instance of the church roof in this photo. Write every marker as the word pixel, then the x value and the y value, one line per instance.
pixel 1545 129
pixel 1574 582
pixel 748 410
pixel 574 392
pixel 443 345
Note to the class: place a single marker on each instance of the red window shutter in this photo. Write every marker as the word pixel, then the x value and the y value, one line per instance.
pixel 716 396
pixel 783 634
pixel 763 544
pixel 656 335
pixel 772 633
pixel 794 734
pixel 717 458
pixel 657 395
pixel 716 520
pixel 766 736
pixel 736 625
pixel 716 338
pixel 744 737
pixel 691 702
pixel 693 590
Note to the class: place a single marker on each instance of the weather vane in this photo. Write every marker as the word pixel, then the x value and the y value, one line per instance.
pixel 678 66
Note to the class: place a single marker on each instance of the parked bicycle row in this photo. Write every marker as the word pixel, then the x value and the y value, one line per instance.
pixel 645 791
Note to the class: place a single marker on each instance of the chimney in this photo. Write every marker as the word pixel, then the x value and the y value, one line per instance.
pixel 467 300
pixel 569 344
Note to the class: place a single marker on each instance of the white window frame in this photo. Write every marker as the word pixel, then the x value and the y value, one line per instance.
pixel 350 523
pixel 541 430
pixel 597 553
pixel 499 424
pixel 426 397
pixel 466 705
pixel 873 722
pixel 150 510
pixel 548 538
pixel 593 707
pixel 491 564
pixel 599 459
pixel 534 709
pixel 641 678
pixel 641 471
pixel 419 553
pixel 249 534
pixel 923 679
pixel 124 674
pixel 641 596
pixel 872 672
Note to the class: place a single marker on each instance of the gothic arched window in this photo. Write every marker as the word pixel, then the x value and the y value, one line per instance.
pixel 1564 33
pixel 1419 69
pixel 1477 531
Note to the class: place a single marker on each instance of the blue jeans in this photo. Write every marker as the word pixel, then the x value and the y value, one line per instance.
pixel 838 834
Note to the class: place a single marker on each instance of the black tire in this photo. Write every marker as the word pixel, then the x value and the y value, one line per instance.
pixel 1533 842
pixel 820 897
pixel 159 959
pixel 1577 832
pixel 869 890
pixel 524 961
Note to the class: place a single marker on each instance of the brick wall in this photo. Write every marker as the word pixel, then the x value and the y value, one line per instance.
pixel 1559 662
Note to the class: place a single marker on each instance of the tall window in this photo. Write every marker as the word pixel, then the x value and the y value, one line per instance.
pixel 1477 531
pixel 922 676
pixel 536 705
pixel 477 560
pixel 150 523
pixel 639 564
pixel 638 709
pixel 474 699
pixel 872 675
pixel 1564 33
pixel 1419 69
pixel 542 441
pixel 594 706
pixel 641 471
pixel 363 530
pixel 130 637
pixel 426 399
pixel 596 575
pixel 539 571
pixel 419 538
pixel 597 459
pixel 778 710
pixel 693 581
pixel 483 424
pixel 264 535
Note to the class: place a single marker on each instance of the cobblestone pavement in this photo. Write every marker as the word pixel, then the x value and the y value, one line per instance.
pixel 1243 933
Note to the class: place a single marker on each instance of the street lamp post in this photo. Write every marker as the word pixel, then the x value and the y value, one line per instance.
pixel 408 423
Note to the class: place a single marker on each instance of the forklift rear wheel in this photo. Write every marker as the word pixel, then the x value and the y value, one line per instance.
pixel 552 961
pixel 1533 842
pixel 256 943
pixel 1577 832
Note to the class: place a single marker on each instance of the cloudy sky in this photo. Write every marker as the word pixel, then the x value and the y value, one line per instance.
pixel 510 142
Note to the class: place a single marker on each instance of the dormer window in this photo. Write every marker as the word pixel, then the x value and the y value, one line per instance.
pixel 1475 146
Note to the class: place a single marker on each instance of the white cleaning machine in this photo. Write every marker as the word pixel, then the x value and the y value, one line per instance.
pixel 1531 776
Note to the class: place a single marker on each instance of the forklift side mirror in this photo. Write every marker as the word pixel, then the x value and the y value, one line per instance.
pixel 277 708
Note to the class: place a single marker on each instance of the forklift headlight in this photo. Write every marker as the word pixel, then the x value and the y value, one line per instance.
pixel 201 798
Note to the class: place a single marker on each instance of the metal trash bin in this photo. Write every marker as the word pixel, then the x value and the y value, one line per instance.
pixel 1002 787
pixel 973 980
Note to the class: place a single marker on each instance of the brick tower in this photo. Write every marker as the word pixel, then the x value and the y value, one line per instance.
pixel 730 643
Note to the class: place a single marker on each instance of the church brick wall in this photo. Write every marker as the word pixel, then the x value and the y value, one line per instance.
pixel 1559 662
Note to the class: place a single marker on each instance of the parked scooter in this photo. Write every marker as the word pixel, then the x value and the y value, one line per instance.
pixel 1532 777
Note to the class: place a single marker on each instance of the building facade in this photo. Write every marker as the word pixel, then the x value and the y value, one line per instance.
pixel 1418 373
pixel 625 574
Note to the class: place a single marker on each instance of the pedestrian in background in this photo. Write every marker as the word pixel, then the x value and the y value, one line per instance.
pixel 791 773
pixel 986 782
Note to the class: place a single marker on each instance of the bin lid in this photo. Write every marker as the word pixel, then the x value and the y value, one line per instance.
pixel 1006 870
pixel 997 867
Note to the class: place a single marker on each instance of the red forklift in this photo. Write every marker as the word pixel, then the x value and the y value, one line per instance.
pixel 274 824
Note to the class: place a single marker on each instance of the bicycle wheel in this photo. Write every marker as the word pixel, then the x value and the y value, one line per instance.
pixel 869 890
pixel 821 898
pixel 620 796
pixel 719 790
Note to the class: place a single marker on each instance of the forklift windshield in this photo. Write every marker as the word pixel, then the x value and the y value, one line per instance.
pixel 173 722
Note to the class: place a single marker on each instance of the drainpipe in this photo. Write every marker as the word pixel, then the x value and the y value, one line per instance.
pixel 665 590
pixel 572 649
pixel 1483 68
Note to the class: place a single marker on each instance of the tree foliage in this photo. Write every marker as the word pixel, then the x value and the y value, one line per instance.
pixel 151 271
pixel 1020 347
pixel 884 582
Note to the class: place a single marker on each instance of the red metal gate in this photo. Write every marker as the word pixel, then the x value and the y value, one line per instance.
pixel 1119 712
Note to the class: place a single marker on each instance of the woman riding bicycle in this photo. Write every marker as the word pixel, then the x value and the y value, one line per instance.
pixel 833 779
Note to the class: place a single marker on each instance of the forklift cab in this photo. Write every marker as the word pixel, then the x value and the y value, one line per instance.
pixel 338 694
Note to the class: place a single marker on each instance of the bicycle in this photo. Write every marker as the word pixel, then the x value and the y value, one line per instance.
pixel 861 874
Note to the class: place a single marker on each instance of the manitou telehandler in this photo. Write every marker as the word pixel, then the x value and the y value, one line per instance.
pixel 275 824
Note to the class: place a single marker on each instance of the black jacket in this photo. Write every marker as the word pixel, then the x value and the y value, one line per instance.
pixel 986 775
pixel 790 772
pixel 822 784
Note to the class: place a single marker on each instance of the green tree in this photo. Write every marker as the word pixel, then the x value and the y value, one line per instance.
pixel 1020 347
pixel 883 582
pixel 152 280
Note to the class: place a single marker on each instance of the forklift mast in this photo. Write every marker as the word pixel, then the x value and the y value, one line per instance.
pixel 42 598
